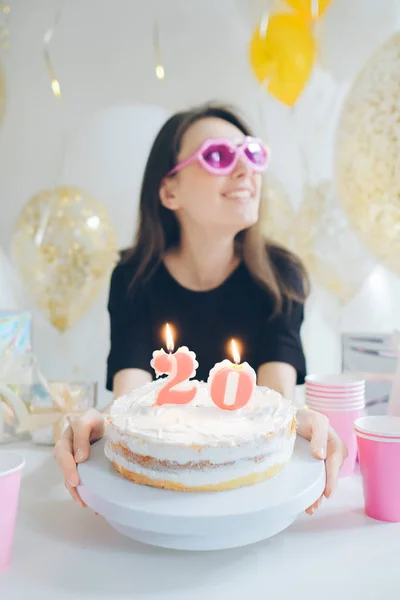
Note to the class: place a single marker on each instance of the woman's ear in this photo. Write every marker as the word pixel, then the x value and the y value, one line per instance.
pixel 168 196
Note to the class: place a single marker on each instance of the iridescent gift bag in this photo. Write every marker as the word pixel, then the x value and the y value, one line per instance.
pixel 15 332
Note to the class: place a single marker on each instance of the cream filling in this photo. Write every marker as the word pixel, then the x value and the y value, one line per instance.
pixel 180 453
pixel 212 476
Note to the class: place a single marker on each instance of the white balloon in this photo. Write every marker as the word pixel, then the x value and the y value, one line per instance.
pixel 351 30
pixel 321 332
pixel 374 308
pixel 106 155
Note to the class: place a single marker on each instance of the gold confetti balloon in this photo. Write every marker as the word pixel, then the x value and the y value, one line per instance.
pixel 64 247
pixel 2 94
pixel 277 216
pixel 367 162
pixel 326 242
pixel 320 234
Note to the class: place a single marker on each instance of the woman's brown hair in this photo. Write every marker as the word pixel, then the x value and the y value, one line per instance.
pixel 158 228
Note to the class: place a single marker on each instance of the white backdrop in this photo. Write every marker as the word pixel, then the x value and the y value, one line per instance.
pixel 98 136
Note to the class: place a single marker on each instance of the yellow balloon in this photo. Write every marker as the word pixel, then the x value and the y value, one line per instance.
pixel 283 58
pixel 64 247
pixel 309 9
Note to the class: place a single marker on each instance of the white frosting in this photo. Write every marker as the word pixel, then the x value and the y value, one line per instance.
pixel 210 476
pixel 228 364
pixel 201 421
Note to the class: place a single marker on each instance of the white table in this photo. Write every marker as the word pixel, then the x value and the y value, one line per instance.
pixel 64 551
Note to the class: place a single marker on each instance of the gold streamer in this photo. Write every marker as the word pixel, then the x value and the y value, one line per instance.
pixel 4 30
pixel 48 36
pixel 264 24
pixel 160 72
pixel 314 8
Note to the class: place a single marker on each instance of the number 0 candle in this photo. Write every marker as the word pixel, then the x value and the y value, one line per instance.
pixel 179 366
pixel 232 384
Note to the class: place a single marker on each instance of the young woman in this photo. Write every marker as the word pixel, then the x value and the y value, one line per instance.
pixel 200 263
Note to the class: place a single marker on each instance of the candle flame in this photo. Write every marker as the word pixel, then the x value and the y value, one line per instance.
pixel 169 338
pixel 235 352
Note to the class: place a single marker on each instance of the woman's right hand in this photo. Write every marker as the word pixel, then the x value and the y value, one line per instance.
pixel 74 447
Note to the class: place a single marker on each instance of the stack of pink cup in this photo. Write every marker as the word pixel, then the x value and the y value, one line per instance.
pixel 342 399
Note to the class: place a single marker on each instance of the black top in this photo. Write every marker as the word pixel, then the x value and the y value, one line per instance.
pixel 205 322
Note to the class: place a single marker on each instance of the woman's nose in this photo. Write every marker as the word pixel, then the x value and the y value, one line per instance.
pixel 242 169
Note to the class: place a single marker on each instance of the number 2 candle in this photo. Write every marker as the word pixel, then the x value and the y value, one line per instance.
pixel 179 366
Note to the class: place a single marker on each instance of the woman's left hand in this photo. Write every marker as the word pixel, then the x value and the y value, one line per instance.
pixel 326 445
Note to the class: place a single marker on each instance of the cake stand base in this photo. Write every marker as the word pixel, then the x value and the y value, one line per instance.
pixel 202 521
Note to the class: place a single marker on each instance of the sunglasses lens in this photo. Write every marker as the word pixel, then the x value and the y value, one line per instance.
pixel 219 156
pixel 256 153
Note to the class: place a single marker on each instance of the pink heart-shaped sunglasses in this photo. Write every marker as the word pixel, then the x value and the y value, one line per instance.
pixel 220 156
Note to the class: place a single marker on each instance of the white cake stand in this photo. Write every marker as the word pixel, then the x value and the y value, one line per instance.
pixel 204 520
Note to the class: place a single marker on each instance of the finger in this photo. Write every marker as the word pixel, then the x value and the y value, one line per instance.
pixel 333 465
pixel 319 436
pixel 86 429
pixel 95 420
pixel 311 509
pixel 81 439
pixel 63 454
pixel 75 495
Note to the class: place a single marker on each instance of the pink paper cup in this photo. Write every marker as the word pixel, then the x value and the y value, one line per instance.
pixel 11 465
pixel 342 421
pixel 344 407
pixel 378 439
pixel 338 381
pixel 336 395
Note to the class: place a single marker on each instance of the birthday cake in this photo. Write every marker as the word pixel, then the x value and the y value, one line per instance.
pixel 200 436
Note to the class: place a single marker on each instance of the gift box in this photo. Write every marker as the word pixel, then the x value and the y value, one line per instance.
pixel 15 341
pixel 16 375
pixel 374 357
pixel 53 403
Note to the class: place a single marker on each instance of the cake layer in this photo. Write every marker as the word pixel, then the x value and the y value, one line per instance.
pixel 166 484
pixel 202 474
